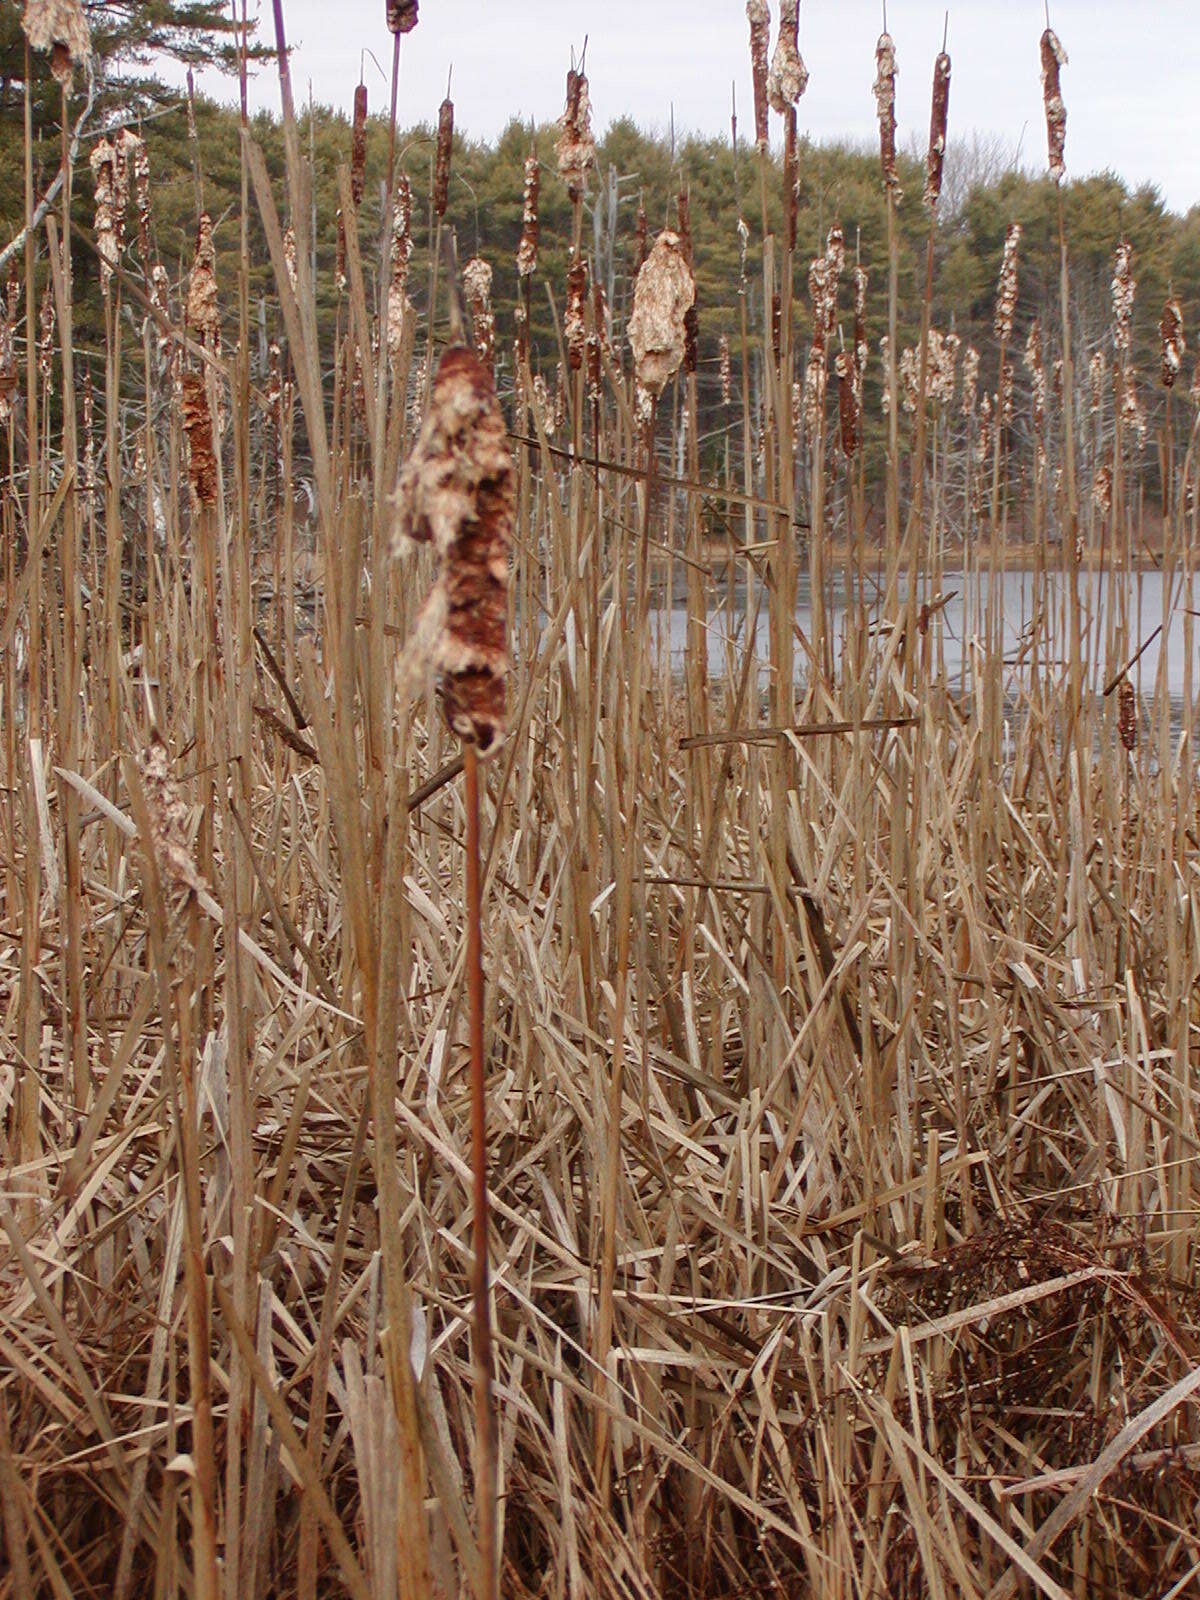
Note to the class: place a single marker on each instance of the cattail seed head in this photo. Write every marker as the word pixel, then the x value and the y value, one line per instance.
pixel 457 491
pixel 574 317
pixel 935 159
pixel 477 286
pixel 576 147
pixel 46 334
pixel 59 26
pixel 861 348
pixel 441 166
pixel 358 145
pixel 662 296
pixel 849 405
pixel 1054 58
pixel 103 163
pixel 141 191
pixel 197 425
pixel 970 380
pixel 759 15
pixel 885 103
pixel 402 15
pixel 527 250
pixel 203 312
pixel 1174 345
pixel 1006 293
pixel 788 77
pixel 597 342
pixel 1102 486
pixel 1124 292
pixel 726 371
pixel 1127 715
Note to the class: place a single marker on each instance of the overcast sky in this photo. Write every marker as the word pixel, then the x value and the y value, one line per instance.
pixel 1131 85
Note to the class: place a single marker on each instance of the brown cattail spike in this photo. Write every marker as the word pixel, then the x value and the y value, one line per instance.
pixel 203 312
pixel 457 490
pixel 759 16
pixel 1174 345
pixel 441 166
pixel 849 409
pixel 402 15
pixel 935 160
pixel 574 317
pixel 1054 58
pixel 1127 715
pixel 885 102
pixel 197 425
pixel 1006 293
pixel 576 147
pixel 527 250
pixel 788 77
pixel 477 287
pixel 1124 292
pixel 358 145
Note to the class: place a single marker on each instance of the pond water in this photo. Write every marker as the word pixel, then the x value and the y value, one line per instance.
pixel 1151 615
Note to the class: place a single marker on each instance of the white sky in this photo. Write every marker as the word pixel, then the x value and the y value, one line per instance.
pixel 1130 87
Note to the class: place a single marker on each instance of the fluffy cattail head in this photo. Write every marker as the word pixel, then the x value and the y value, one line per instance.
pixel 849 405
pixel 203 312
pixel 788 77
pixel 1174 345
pixel 759 15
pixel 970 381
pixel 527 250
pixel 1054 58
pixel 1006 291
pixel 399 307
pixel 141 194
pixel 726 371
pixel 358 145
pixel 441 166
pixel 1124 291
pixel 885 102
pixel 477 287
pixel 935 159
pixel 664 293
pixel 457 491
pixel 402 15
pixel 574 314
pixel 576 148
pixel 60 27
pixel 103 160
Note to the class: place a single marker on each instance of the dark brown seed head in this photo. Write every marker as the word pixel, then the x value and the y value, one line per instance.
pixel 935 159
pixel 358 145
pixel 457 490
pixel 1127 715
pixel 574 323
pixel 441 168
pixel 576 148
pixel 885 102
pixel 402 15
pixel 197 425
pixel 759 15
pixel 849 407
pixel 1054 58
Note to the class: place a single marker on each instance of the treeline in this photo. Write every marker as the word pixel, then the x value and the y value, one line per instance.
pixel 725 188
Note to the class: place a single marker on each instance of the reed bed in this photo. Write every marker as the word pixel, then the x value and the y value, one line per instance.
pixel 840 1009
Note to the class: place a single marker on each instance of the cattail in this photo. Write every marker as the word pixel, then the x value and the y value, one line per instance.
pixel 944 369
pixel 1132 414
pixel 691 317
pixel 983 444
pixel 527 250
pixel 1006 292
pixel 813 399
pixel 1097 375
pixel 203 312
pixel 885 351
pixel 1102 486
pixel 46 334
pixel 89 437
pixel 457 491
pixel 759 15
pixel 560 395
pixel 402 15
pixel 60 27
pixel 576 148
pixel 441 166
pixel 1037 377
pixel 197 425
pixel 1004 397
pixel 574 319
pixel 885 103
pixel 1124 290
pixel 358 146
pixel 597 343
pixel 788 77
pixel 1174 345
pixel 726 371
pixel 1054 58
pixel 970 381
pixel 1127 715
pixel 290 259
pixel 664 291
pixel 141 192
pixel 477 286
pixel 910 378
pixel 935 160
pixel 103 161
pixel 849 407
